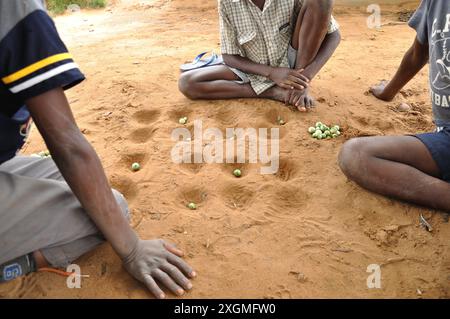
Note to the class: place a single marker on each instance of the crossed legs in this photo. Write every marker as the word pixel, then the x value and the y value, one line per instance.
pixel 398 166
pixel 218 82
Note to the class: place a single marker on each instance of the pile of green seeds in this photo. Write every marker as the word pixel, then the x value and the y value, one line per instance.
pixel 322 131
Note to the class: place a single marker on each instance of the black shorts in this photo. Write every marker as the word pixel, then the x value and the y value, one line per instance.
pixel 438 143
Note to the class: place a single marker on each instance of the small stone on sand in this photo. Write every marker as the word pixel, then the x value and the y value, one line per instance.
pixel 404 107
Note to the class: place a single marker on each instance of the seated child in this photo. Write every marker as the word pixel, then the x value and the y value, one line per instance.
pixel 270 48
pixel 412 168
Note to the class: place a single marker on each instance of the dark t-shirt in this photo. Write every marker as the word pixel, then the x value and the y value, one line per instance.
pixel 432 23
pixel 33 60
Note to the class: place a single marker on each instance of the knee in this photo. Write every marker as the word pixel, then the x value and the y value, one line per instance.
pixel 122 202
pixel 351 157
pixel 186 85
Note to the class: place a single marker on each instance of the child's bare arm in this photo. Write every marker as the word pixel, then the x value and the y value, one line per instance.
pixel 413 61
pixel 329 45
pixel 284 77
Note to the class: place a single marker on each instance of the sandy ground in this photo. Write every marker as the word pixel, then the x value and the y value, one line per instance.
pixel 304 232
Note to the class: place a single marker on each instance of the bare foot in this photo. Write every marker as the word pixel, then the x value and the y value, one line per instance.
pixel 306 102
pixel 276 93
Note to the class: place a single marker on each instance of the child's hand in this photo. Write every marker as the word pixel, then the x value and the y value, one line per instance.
pixel 155 261
pixel 379 91
pixel 290 79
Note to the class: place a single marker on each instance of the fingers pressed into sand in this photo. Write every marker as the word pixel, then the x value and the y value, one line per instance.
pixel 153 287
pixel 168 282
pixel 181 264
pixel 177 275
pixel 174 250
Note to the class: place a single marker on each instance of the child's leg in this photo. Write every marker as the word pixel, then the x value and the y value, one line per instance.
pixel 400 167
pixel 218 82
pixel 310 30
pixel 40 214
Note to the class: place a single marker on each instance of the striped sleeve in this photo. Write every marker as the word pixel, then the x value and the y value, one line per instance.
pixel 34 60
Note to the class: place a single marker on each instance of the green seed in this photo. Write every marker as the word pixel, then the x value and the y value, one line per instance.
pixel 135 167
pixel 333 130
pixel 337 127
pixel 334 135
pixel 182 120
pixel 338 133
pixel 318 131
pixel 327 133
pixel 281 122
pixel 318 124
pixel 192 206
pixel 237 173
pixel 311 130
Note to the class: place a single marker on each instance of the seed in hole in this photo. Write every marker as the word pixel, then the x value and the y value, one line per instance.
pixel 135 167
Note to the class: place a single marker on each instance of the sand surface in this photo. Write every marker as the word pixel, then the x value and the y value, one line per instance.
pixel 304 232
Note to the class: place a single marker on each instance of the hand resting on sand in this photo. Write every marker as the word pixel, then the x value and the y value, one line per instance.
pixel 156 262
pixel 380 92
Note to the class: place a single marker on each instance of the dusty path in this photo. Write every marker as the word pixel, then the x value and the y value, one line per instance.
pixel 305 232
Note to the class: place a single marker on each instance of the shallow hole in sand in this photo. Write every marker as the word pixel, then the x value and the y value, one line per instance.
pixel 142 135
pixel 128 158
pixel 229 168
pixel 288 169
pixel 124 185
pixel 237 196
pixel 146 116
pixel 192 194
pixel 227 115
pixel 275 115
pixel 175 115
pixel 288 200
pixel 192 167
